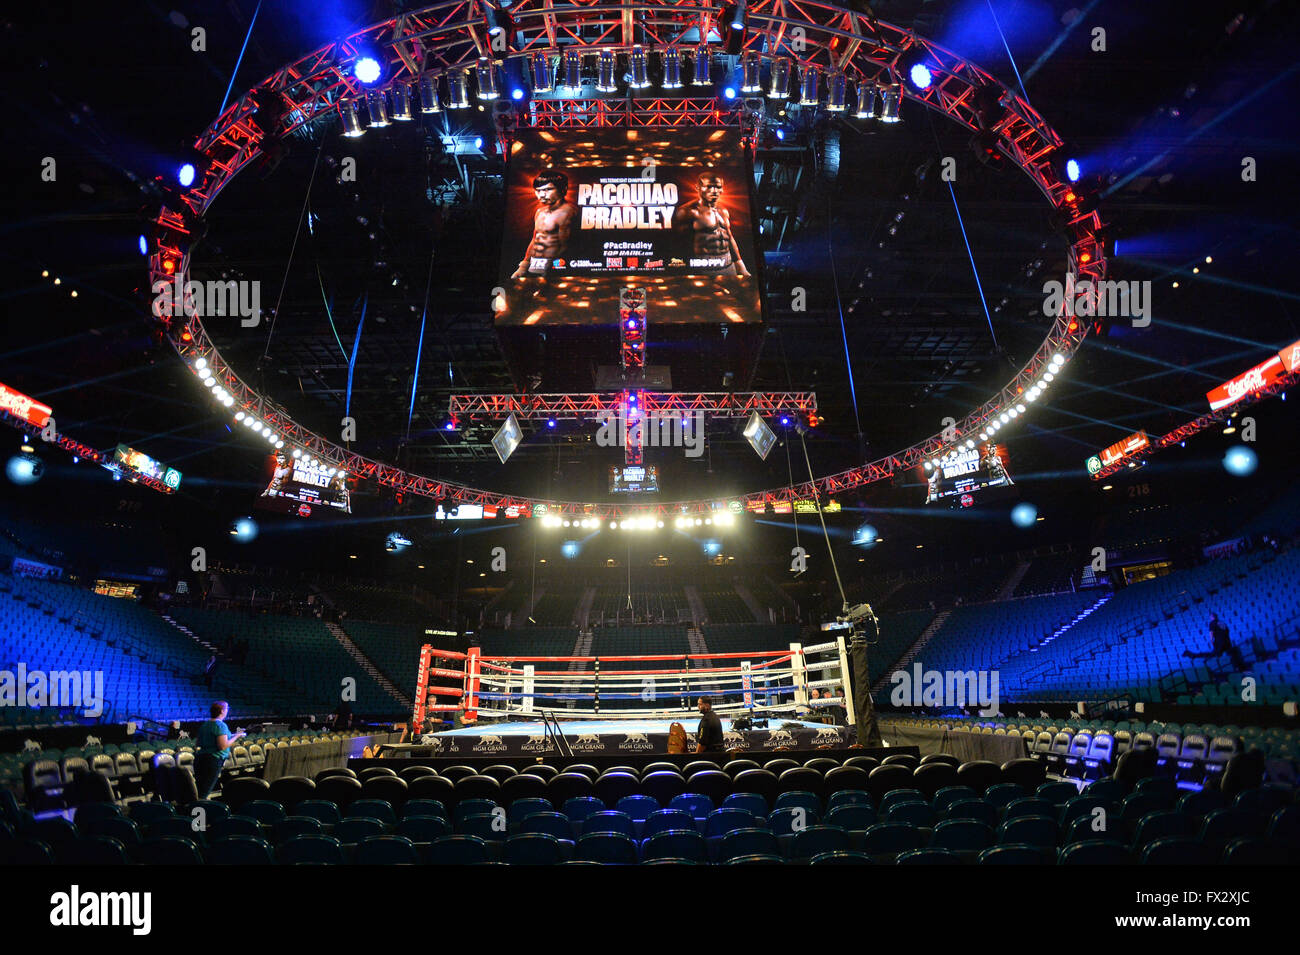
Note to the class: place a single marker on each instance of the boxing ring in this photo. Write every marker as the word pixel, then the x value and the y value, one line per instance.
pixel 603 705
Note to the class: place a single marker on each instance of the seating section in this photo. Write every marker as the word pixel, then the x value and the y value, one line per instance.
pixel 372 603
pixel 830 811
pixel 393 647
pixel 301 652
pixel 149 668
pixel 898 632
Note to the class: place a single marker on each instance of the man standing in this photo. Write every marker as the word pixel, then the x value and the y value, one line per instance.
pixel 708 737
pixel 1222 644
pixel 710 228
pixel 213 748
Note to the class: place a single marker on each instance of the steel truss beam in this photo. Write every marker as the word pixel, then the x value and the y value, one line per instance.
pixel 1197 425
pixel 586 406
pixel 450 35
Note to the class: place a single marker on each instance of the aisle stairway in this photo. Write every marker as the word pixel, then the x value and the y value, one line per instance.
pixel 365 663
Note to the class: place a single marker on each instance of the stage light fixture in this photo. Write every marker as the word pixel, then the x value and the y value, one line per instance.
pixel 1072 170
pixel 672 70
pixel 702 66
pixel 573 70
pixel 348 112
pixel 778 84
pixel 542 82
pixel 640 61
pixel 738 16
pixel 143 244
pixel 402 102
pixel 751 71
pixel 185 175
pixel 377 106
pixel 367 69
pixel 838 95
pixel 517 93
pixel 890 100
pixel 498 21
pixel 606 66
pixel 920 76
pixel 487 79
pixel 728 92
pixel 760 437
pixel 866 101
pixel 507 438
pixel 808 87
pixel 457 90
pixel 429 102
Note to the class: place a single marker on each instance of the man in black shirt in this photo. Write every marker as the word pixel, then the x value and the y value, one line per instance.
pixel 708 737
pixel 1222 644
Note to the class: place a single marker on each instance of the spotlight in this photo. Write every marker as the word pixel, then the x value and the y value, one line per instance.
pixel 866 101
pixel 478 142
pixel 573 70
pixel 672 70
pixel 185 175
pixel 890 100
pixel 837 100
pixel 144 245
pixel 498 21
pixel 366 69
pixel 780 135
pixel 378 108
pixel 640 68
pixel 1072 170
pixel 606 65
pixel 1024 515
pixel 24 469
pixel 243 529
pixel 729 93
pixel 402 102
pixel 751 71
pixel 702 64
pixel 778 84
pixel 920 76
pixel 542 73
pixel 865 535
pixel 738 16
pixel 808 95
pixel 348 112
pixel 517 93
pixel 487 79
pixel 457 90
pixel 429 102
pixel 1240 461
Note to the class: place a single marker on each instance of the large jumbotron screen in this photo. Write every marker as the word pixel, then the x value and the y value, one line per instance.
pixel 590 212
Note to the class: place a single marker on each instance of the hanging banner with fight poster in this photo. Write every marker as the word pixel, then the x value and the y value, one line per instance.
pixel 590 212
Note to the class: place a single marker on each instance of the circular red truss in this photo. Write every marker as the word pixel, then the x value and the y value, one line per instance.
pixel 454 35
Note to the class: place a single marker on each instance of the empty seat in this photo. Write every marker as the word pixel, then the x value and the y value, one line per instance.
pixel 675 843
pixel 1179 850
pixel 534 848
pixel 815 840
pixel 609 848
pixel 1095 852
pixel 239 850
pixel 745 842
pixel 309 849
pixel 387 850
pixel 457 850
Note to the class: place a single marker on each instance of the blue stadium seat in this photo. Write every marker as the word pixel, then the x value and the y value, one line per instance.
pixel 387 850
pixel 423 828
pixel 744 842
pixel 609 848
pixel 534 848
pixel 1039 831
pixel 609 821
pixel 1095 852
pixel 309 849
pixel 962 835
pixel 457 850
pixel 675 843
pixel 928 857
pixel 168 850
pixel 239 850
pixel 815 840
pixel 1179 850
pixel 1017 854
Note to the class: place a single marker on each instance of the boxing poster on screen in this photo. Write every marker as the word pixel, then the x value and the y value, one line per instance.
pixel 589 212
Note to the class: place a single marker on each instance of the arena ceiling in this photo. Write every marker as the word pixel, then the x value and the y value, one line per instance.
pixel 1161 119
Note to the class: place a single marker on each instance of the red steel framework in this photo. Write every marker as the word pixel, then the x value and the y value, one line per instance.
pixel 453 35
pixel 1197 425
